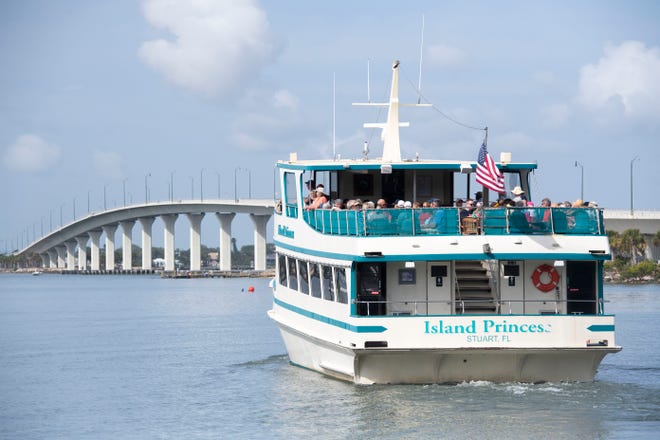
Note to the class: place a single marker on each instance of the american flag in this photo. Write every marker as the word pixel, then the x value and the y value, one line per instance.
pixel 487 173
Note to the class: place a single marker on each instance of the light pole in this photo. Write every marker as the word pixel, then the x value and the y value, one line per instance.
pixel 218 174
pixel 249 184
pixel 105 206
pixel 123 184
pixel 581 179
pixel 631 183
pixel 61 221
pixel 192 187
pixel 235 186
pixel 146 188
pixel 74 209
pixel 201 185
pixel 171 186
pixel 88 201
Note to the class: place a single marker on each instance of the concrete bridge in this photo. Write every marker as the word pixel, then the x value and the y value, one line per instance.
pixel 58 248
pixel 648 223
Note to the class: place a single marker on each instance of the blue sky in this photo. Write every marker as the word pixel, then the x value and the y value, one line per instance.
pixel 103 95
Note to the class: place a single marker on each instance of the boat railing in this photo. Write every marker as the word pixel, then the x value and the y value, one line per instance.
pixel 418 308
pixel 447 221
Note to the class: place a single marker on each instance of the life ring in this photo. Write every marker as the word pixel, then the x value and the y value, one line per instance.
pixel 545 278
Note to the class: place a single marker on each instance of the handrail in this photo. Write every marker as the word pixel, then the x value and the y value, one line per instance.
pixel 446 221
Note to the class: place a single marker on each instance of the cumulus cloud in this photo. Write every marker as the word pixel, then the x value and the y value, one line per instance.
pixel 441 55
pixel 30 153
pixel 107 164
pixel 267 119
pixel 624 81
pixel 216 47
pixel 555 116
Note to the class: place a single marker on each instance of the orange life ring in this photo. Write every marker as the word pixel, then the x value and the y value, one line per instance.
pixel 545 278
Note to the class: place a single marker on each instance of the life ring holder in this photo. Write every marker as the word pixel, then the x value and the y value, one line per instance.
pixel 542 285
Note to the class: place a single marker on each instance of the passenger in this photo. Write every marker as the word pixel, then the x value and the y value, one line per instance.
pixel 425 214
pixel 381 204
pixel 467 210
pixel 459 203
pixel 321 198
pixel 368 204
pixel 518 193
pixel 338 205
pixel 478 196
pixel 546 203
pixel 309 202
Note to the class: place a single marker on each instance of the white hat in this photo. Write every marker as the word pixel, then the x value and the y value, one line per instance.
pixel 320 189
pixel 517 191
pixel 400 204
pixel 407 204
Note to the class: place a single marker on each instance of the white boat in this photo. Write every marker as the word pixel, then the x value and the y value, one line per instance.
pixel 375 296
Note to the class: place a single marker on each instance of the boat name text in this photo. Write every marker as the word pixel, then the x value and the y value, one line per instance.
pixel 285 231
pixel 486 326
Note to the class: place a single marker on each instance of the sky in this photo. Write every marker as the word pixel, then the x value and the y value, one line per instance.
pixel 123 98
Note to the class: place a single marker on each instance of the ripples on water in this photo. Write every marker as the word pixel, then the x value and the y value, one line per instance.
pixel 141 357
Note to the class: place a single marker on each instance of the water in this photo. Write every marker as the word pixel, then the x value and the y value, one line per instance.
pixel 85 357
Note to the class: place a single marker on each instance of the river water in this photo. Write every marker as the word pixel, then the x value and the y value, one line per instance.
pixel 139 357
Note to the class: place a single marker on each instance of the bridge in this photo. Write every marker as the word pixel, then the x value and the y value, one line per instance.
pixel 58 248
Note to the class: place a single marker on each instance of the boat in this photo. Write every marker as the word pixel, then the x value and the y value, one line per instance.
pixel 378 296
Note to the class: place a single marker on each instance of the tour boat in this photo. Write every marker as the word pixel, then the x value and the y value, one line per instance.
pixel 387 296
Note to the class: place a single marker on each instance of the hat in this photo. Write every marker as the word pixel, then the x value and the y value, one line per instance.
pixel 593 204
pixel 400 204
pixel 320 189
pixel 407 204
pixel 517 191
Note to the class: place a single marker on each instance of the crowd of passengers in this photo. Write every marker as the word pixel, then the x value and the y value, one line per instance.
pixel 318 199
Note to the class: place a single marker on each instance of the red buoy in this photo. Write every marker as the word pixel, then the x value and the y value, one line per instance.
pixel 251 289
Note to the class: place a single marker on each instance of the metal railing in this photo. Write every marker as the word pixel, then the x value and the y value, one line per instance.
pixel 446 221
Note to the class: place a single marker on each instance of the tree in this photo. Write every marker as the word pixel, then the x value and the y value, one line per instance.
pixel 633 244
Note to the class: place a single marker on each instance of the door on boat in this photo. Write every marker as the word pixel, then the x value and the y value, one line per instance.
pixel 371 289
pixel 581 287
pixel 393 187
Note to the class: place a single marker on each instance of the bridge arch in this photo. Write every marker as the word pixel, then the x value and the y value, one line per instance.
pixel 57 249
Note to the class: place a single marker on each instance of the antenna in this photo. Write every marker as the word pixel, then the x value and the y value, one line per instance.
pixel 334 116
pixel 421 51
pixel 368 80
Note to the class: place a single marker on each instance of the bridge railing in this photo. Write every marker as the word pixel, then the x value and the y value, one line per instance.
pixel 447 221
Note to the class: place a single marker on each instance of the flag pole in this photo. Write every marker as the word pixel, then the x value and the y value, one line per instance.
pixel 486 137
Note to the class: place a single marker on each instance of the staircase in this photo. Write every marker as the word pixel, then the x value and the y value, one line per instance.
pixel 473 291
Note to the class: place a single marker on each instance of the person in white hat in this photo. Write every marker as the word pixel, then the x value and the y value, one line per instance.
pixel 518 194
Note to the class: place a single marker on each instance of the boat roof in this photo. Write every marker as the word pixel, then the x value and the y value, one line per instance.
pixel 376 164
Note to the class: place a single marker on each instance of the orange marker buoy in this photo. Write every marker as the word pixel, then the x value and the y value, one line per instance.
pixel 251 289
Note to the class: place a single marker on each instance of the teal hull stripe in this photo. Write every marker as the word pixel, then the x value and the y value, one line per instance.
pixel 601 328
pixel 325 319
pixel 443 256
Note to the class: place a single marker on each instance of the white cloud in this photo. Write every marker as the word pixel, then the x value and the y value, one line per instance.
pixel 441 55
pixel 31 153
pixel 108 164
pixel 218 45
pixel 625 81
pixel 555 116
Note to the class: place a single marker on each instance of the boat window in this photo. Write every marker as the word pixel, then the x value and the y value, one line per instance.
pixel 328 283
pixel 315 280
pixel 293 273
pixel 304 278
pixel 291 195
pixel 340 279
pixel 281 266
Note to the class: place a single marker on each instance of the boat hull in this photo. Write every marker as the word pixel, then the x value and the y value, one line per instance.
pixel 442 365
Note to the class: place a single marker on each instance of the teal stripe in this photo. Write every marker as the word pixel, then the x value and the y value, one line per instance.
pixel 325 319
pixel 444 256
pixel 601 328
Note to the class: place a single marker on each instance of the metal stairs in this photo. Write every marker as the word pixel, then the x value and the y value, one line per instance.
pixel 473 291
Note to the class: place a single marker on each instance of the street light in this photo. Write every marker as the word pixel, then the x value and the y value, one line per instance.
pixel 235 190
pixel 201 185
pixel 74 209
pixel 146 188
pixel 61 222
pixel 631 183
pixel 105 206
pixel 218 174
pixel 171 186
pixel 123 184
pixel 581 179
pixel 192 187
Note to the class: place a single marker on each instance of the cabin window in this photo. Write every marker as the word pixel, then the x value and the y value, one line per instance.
pixel 281 268
pixel 293 273
pixel 304 277
pixel 315 280
pixel 328 283
pixel 291 195
pixel 340 280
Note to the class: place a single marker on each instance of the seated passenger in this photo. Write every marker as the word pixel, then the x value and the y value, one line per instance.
pixel 321 198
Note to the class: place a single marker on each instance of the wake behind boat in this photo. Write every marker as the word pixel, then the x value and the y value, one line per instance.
pixel 430 295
